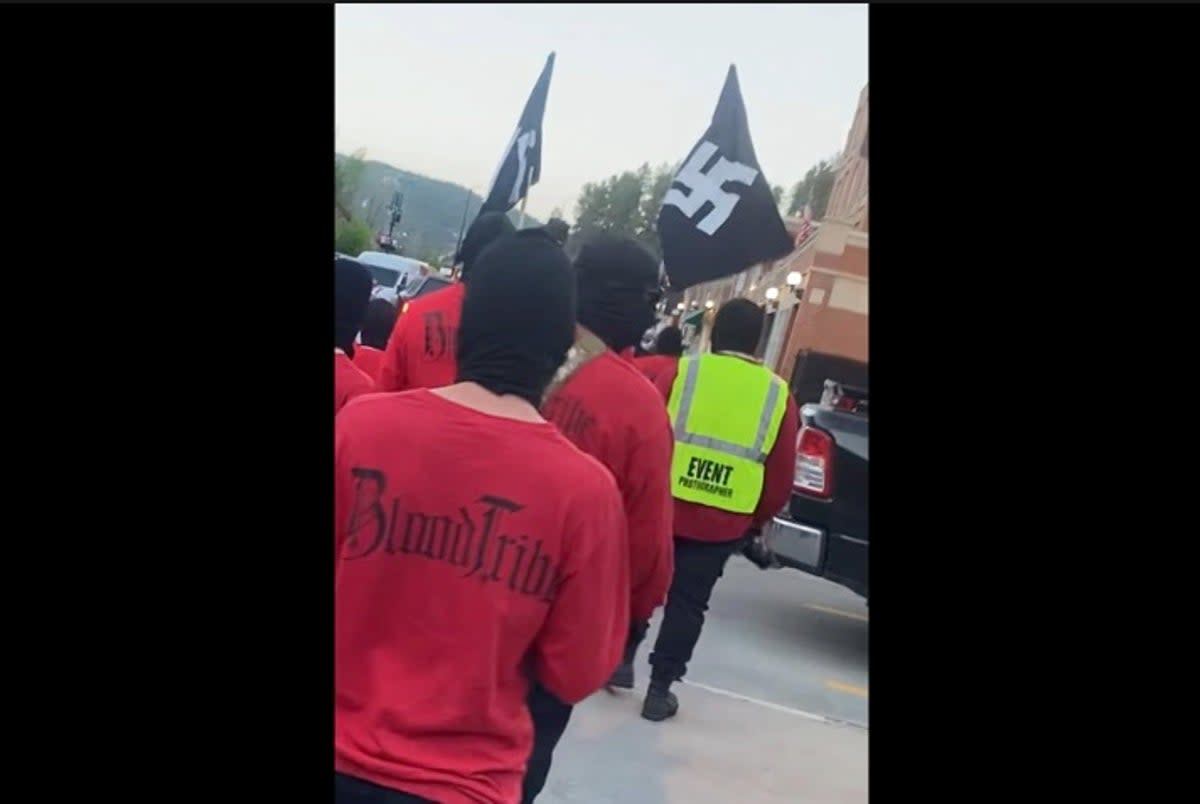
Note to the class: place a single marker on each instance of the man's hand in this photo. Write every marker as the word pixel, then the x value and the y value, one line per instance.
pixel 757 553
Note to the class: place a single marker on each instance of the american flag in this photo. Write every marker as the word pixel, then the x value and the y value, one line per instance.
pixel 805 225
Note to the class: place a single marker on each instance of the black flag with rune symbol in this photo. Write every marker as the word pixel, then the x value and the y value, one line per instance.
pixel 521 166
pixel 719 217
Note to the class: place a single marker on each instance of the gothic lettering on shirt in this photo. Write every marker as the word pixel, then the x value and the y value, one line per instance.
pixel 568 413
pixel 439 338
pixel 481 538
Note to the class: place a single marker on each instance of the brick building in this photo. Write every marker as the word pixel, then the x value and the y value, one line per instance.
pixel 827 311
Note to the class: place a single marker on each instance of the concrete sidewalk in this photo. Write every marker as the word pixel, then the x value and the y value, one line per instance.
pixel 718 749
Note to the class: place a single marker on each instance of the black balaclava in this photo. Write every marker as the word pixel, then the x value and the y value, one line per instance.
pixel 738 327
pixel 669 342
pixel 518 316
pixel 351 292
pixel 378 322
pixel 487 227
pixel 618 288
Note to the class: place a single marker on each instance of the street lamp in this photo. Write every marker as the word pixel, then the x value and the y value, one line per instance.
pixel 793 281
pixel 772 294
pixel 708 305
pixel 680 306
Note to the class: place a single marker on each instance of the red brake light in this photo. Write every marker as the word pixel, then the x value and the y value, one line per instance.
pixel 814 463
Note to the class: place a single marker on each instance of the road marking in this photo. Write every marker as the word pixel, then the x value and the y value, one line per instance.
pixel 838 612
pixel 737 696
pixel 861 692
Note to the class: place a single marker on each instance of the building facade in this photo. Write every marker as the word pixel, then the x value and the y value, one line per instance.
pixel 826 307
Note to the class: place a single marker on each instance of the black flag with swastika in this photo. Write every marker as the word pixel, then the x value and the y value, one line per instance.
pixel 521 166
pixel 719 217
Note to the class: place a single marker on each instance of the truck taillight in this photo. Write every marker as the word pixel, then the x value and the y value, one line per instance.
pixel 814 463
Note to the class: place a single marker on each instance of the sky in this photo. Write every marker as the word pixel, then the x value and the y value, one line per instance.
pixel 437 89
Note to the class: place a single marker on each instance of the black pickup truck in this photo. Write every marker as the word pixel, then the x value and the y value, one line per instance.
pixel 824 530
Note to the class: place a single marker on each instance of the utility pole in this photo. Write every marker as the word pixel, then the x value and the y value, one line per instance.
pixel 397 210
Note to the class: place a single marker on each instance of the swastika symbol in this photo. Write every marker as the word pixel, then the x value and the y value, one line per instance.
pixel 708 187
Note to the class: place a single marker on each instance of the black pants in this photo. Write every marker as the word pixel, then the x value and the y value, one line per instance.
pixel 550 717
pixel 348 790
pixel 698 566
pixel 637 632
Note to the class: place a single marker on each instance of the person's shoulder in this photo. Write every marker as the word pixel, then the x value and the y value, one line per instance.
pixel 349 370
pixel 586 476
pixel 365 407
pixel 439 299
pixel 644 362
pixel 628 374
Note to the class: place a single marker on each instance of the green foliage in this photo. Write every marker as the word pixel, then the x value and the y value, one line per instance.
pixel 814 189
pixel 433 210
pixel 777 194
pixel 347 173
pixel 351 237
pixel 625 205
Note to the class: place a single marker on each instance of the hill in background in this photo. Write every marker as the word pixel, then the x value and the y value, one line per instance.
pixel 433 209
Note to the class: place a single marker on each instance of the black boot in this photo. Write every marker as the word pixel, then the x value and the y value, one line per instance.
pixel 622 677
pixel 660 702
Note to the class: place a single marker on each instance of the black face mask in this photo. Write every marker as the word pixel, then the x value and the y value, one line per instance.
pixel 487 228
pixel 518 316
pixel 619 315
pixel 618 289
pixel 351 294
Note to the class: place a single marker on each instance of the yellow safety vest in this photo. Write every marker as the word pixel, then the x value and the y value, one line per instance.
pixel 725 412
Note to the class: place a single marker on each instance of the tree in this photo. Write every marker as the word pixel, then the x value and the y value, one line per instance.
pixel 625 205
pixel 777 194
pixel 347 173
pixel 814 189
pixel 351 237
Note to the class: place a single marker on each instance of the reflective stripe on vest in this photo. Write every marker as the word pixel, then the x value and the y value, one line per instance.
pixel 724 429
pixel 755 453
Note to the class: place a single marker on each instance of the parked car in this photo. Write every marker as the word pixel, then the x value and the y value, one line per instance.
pixel 824 530
pixel 393 274
pixel 423 287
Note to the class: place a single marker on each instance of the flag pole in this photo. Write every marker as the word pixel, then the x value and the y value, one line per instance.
pixel 463 226
pixel 529 177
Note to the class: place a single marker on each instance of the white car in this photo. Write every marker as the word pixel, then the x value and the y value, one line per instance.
pixel 392 273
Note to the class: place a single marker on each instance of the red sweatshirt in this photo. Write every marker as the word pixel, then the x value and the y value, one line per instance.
pixel 420 352
pixel 453 591
pixel 653 365
pixel 348 381
pixel 368 359
pixel 707 524
pixel 608 410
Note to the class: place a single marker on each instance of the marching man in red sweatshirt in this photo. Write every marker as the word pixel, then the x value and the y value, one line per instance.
pixel 420 352
pixel 455 592
pixel 734 423
pixel 604 405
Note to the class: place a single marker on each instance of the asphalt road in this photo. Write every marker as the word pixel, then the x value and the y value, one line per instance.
pixel 773 711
